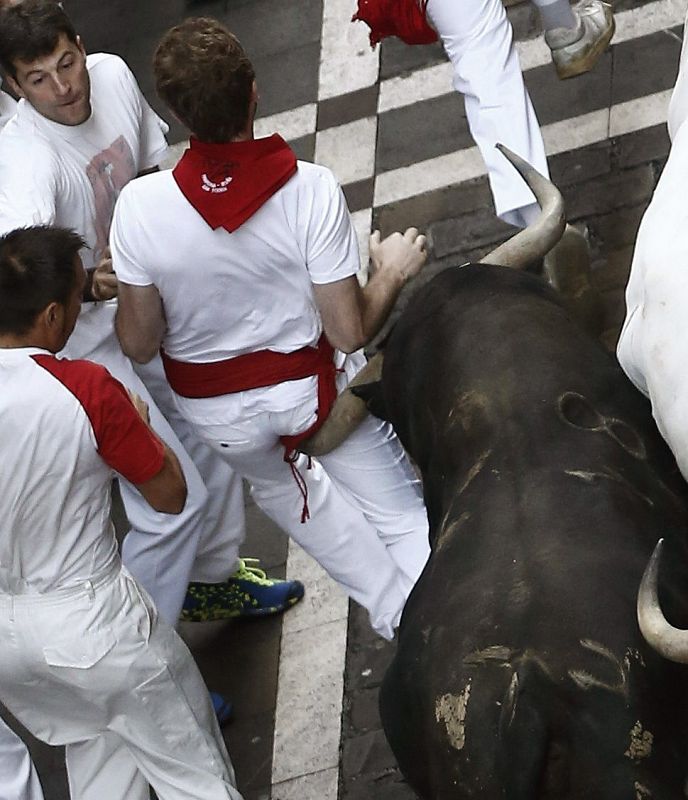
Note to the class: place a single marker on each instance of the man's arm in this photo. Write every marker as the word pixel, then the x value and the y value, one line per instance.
pixel 140 321
pixel 352 316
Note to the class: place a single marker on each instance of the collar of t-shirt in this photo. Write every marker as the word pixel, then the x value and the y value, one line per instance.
pixel 16 353
pixel 48 126
pixel 227 183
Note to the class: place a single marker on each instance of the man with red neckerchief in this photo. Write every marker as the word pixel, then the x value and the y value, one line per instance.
pixel 241 264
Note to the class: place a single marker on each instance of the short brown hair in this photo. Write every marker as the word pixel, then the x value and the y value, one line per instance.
pixel 204 76
pixel 31 30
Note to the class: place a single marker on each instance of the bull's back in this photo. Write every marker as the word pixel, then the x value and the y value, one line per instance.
pixel 520 665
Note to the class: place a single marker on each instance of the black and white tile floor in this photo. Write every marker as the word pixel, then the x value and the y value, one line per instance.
pixel 393 131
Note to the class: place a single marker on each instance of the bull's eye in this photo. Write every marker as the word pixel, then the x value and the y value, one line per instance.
pixel 577 411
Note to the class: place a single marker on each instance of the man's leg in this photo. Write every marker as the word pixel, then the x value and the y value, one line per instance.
pixel 220 581
pixel 336 534
pixel 103 767
pixel 477 38
pixel 372 471
pixel 18 777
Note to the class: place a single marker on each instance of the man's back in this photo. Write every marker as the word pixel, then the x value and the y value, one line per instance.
pixel 56 419
pixel 224 293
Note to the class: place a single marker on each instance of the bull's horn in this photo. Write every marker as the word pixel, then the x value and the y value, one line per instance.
pixel 347 413
pixel 670 642
pixel 537 239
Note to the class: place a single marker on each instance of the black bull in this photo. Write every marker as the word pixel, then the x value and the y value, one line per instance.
pixel 520 671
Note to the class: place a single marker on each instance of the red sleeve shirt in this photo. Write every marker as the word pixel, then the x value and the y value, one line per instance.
pixel 124 441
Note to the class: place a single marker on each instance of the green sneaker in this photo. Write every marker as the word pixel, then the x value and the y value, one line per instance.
pixel 247 593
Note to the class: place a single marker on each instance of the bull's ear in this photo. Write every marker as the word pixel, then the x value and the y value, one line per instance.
pixel 373 397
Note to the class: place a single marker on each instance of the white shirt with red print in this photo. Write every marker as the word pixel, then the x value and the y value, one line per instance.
pixel 64 427
pixel 71 175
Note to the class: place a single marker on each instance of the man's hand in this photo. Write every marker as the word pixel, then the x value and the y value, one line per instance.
pixel 400 254
pixel 104 280
pixel 140 405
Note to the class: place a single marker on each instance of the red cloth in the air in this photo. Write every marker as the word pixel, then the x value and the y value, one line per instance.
pixel 403 18
pixel 227 183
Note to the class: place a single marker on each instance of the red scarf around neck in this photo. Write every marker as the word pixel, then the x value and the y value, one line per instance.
pixel 227 183
pixel 402 18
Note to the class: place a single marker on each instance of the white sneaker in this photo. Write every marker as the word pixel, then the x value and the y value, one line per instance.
pixel 575 50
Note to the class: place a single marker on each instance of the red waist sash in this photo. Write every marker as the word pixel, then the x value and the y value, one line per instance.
pixel 257 370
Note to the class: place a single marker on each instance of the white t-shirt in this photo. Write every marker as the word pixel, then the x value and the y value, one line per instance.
pixel 226 294
pixel 8 107
pixel 64 426
pixel 71 175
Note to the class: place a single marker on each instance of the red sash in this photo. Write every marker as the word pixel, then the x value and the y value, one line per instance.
pixel 256 370
pixel 402 18
pixel 227 183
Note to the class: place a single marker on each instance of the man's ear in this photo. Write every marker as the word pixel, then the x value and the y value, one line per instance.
pixel 14 86
pixel 80 45
pixel 53 316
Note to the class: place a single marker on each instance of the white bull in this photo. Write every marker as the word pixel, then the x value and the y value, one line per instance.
pixel 653 347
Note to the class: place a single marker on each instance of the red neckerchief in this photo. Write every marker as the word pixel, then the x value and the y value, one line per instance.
pixel 402 18
pixel 227 183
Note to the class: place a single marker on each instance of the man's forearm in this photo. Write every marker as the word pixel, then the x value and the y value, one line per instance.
pixel 377 301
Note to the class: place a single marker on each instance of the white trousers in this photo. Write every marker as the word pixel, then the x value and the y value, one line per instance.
pixel 93 669
pixel 367 528
pixel 18 777
pixel 165 551
pixel 224 521
pixel 477 38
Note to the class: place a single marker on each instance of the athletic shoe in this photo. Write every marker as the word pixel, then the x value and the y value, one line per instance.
pixel 247 593
pixel 222 707
pixel 575 50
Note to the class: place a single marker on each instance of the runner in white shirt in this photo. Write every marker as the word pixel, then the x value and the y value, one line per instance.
pixel 18 776
pixel 85 662
pixel 8 107
pixel 82 131
pixel 242 263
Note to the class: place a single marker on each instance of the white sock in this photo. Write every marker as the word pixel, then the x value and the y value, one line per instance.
pixel 555 14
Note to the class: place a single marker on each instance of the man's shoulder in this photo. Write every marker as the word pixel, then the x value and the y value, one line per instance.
pixel 74 373
pixel 150 185
pixel 108 71
pixel 103 62
pixel 315 172
pixel 313 179
pixel 24 145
